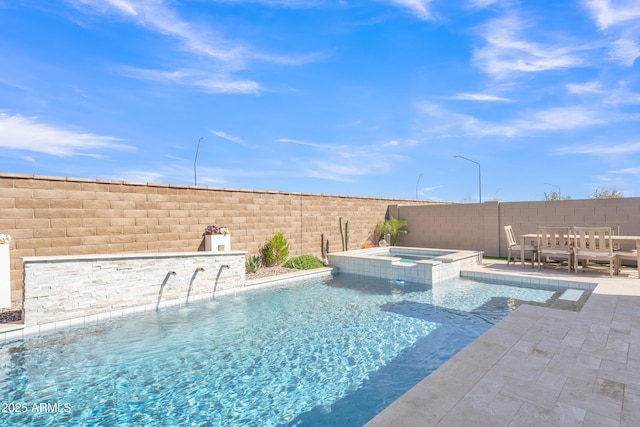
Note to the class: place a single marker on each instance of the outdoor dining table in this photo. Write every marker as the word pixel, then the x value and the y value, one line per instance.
pixel 616 240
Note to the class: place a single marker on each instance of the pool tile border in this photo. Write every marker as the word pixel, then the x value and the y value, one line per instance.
pixel 14 331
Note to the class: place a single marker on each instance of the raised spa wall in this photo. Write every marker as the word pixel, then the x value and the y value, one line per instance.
pixel 62 288
pixel 368 262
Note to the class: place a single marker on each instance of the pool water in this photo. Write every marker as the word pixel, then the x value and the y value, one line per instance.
pixel 334 350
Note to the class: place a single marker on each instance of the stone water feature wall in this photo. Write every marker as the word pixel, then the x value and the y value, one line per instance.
pixel 66 290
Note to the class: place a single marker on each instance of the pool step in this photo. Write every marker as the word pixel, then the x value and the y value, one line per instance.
pixel 571 295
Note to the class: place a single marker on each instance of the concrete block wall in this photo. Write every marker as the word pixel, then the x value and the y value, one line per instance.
pixel 52 216
pixel 85 286
pixel 481 226
pixel 452 226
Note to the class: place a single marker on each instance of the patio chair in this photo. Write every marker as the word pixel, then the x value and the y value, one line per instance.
pixel 593 244
pixel 554 243
pixel 627 254
pixel 514 249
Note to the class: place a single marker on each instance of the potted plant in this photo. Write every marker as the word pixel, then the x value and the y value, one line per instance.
pixel 217 238
pixel 5 271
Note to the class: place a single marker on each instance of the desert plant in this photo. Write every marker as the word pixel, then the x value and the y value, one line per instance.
pixel 276 250
pixel 253 264
pixel 344 234
pixel 324 246
pixel 393 227
pixel 304 262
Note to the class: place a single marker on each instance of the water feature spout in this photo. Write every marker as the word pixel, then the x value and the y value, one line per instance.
pixel 224 266
pixel 164 283
pixel 200 269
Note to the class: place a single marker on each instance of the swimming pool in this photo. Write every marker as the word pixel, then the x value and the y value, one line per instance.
pixel 326 351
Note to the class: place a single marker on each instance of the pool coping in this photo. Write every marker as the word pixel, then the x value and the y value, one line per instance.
pixel 539 366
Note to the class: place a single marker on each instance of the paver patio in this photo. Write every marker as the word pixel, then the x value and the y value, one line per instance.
pixel 540 366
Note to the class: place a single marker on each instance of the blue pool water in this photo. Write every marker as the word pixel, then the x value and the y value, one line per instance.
pixel 327 351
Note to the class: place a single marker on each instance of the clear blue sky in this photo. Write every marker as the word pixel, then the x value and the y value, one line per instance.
pixel 356 97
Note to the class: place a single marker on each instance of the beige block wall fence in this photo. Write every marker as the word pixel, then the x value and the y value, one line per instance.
pixel 480 226
pixel 51 216
pixel 54 216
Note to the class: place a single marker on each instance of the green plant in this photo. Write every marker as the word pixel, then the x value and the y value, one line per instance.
pixel 392 227
pixel 276 250
pixel 253 264
pixel 344 234
pixel 304 262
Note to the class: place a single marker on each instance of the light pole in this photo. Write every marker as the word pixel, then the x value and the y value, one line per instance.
pixel 479 175
pixel 195 179
pixel 559 195
pixel 417 184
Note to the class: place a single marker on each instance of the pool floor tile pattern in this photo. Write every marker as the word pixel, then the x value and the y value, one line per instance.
pixel 540 366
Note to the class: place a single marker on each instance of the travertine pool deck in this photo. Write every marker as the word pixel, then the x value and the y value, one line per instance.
pixel 539 366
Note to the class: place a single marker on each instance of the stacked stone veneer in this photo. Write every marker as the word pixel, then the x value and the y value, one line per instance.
pixel 85 287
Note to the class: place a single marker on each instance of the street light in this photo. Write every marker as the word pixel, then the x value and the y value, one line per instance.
pixel 195 179
pixel 559 195
pixel 479 175
pixel 417 184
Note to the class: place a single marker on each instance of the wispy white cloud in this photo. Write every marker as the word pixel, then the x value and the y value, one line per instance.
pixel 601 149
pixel 305 143
pixel 225 56
pixel 446 123
pixel 140 176
pixel 508 51
pixel 481 4
pixel 338 172
pixel 393 143
pixel 26 133
pixel 564 118
pixel 625 51
pixel 419 8
pixel 628 171
pixel 618 95
pixel 343 162
pixel 608 15
pixel 479 97
pixel 221 83
pixel 228 137
pixel 619 21
pixel 158 17
pixel 424 191
pixel 588 87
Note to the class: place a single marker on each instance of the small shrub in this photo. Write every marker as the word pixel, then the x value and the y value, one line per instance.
pixel 253 264
pixel 304 262
pixel 276 251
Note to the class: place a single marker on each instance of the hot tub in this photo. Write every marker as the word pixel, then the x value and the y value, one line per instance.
pixel 420 265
